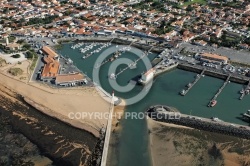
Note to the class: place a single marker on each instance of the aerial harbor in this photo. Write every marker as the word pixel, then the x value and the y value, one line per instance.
pixel 117 83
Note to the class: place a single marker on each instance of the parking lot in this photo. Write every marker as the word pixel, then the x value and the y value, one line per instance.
pixel 242 56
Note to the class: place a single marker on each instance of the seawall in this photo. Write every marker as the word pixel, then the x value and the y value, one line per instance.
pixel 174 117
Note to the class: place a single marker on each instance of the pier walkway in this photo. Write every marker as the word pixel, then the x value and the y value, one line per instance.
pixel 245 90
pixel 108 133
pixel 103 63
pixel 111 40
pixel 220 90
pixel 151 49
pixel 131 44
pixel 129 66
pixel 194 82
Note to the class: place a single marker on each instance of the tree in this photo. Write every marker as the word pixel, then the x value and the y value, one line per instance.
pixel 16 56
pixel 29 55
pixel 26 46
pixel 189 8
pixel 247 41
pixel 21 41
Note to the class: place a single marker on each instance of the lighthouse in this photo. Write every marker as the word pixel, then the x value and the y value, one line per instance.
pixel 7 41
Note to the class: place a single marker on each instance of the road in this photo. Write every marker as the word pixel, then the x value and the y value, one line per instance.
pixel 38 66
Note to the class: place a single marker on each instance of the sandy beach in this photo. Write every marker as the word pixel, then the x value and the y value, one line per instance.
pixel 69 105
pixel 181 146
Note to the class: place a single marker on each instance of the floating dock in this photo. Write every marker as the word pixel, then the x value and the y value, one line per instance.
pixel 245 90
pixel 219 91
pixel 198 77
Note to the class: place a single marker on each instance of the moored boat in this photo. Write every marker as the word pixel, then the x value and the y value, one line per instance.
pixel 212 103
pixel 189 85
pixel 182 92
pixel 216 119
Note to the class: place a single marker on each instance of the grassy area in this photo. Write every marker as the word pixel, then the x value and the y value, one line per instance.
pixel 33 63
pixel 15 71
pixel 118 1
pixel 203 2
pixel 58 46
pixel 12 39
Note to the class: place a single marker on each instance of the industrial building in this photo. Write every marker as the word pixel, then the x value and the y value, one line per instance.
pixel 213 58
pixel 70 79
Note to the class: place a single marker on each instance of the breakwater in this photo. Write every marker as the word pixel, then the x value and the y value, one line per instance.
pixel 214 73
pixel 168 115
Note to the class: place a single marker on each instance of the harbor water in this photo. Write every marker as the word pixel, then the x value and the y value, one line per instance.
pixel 133 144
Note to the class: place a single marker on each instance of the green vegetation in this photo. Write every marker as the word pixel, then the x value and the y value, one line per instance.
pixel 117 1
pixel 165 27
pixel 12 39
pixel 64 41
pixel 15 71
pixel 237 150
pixel 226 40
pixel 23 78
pixel 34 59
pixel 141 5
pixel 46 20
pixel 21 41
pixel 16 56
pixel 26 46
pixel 2 62
pixel 189 2
pixel 58 46
pixel 247 40
pixel 160 31
pixel 29 55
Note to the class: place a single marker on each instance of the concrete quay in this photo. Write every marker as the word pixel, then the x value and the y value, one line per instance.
pixel 218 74
pixel 123 42
pixel 165 68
